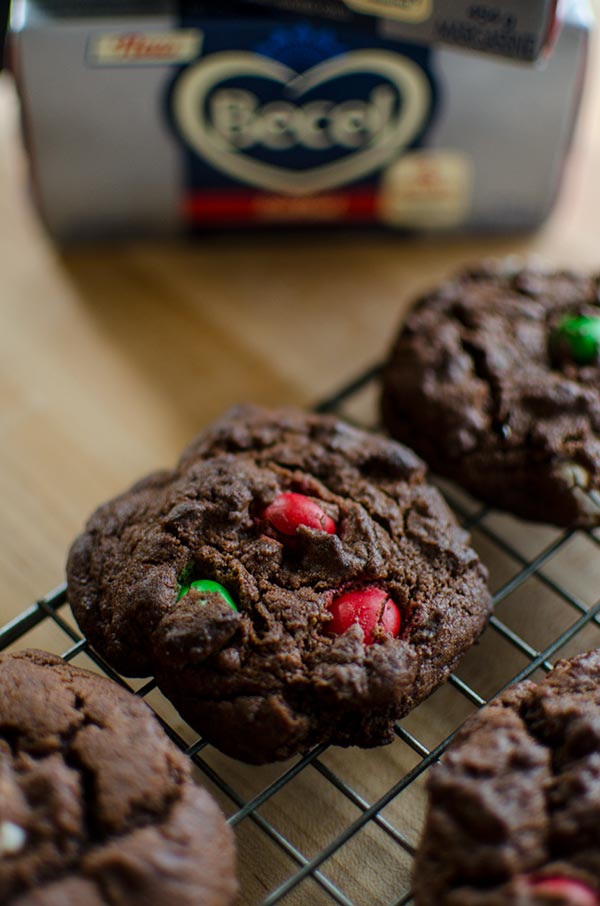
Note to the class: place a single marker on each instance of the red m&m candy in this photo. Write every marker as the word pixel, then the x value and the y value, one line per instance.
pixel 289 511
pixel 369 607
pixel 564 891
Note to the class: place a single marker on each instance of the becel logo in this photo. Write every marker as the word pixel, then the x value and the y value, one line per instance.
pixel 259 121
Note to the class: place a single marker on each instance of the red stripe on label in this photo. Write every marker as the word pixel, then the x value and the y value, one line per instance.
pixel 248 207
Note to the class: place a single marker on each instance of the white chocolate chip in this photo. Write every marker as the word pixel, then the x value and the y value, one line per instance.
pixel 576 475
pixel 12 838
pixel 578 480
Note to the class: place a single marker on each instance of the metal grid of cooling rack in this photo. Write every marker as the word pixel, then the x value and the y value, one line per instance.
pixel 583 614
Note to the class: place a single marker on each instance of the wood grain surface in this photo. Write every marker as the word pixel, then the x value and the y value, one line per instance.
pixel 113 356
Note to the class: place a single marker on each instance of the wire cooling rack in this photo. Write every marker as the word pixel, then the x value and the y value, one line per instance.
pixel 341 825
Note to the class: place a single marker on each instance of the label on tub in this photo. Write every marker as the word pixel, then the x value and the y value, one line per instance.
pixel 299 112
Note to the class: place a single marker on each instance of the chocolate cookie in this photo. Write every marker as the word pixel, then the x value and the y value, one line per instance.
pixel 293 581
pixel 514 814
pixel 97 807
pixel 495 381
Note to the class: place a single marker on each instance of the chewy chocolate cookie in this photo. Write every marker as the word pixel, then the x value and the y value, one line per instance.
pixel 514 813
pixel 97 807
pixel 293 581
pixel 495 381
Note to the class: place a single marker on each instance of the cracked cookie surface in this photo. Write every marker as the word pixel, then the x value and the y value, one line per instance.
pixel 271 678
pixel 97 807
pixel 477 386
pixel 514 811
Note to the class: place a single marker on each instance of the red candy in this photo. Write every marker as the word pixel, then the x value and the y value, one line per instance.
pixel 289 511
pixel 369 607
pixel 565 890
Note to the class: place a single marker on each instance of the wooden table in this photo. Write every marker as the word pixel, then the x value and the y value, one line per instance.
pixel 113 356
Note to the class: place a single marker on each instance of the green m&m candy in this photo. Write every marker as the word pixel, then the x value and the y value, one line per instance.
pixel 209 586
pixel 579 337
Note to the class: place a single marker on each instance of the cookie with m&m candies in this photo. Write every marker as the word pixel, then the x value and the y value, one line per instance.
pixel 514 807
pixel 292 581
pixel 97 806
pixel 494 379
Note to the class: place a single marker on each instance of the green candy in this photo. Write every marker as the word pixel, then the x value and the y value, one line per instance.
pixel 209 586
pixel 581 335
